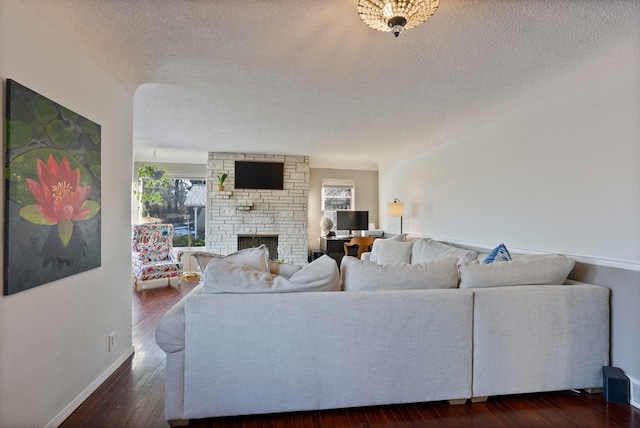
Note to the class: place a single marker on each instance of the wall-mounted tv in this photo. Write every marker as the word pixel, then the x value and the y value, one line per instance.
pixel 352 220
pixel 259 175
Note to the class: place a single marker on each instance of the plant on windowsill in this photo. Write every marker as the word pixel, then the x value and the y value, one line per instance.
pixel 221 179
pixel 152 180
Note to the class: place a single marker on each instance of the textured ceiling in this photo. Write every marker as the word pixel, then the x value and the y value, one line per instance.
pixel 308 77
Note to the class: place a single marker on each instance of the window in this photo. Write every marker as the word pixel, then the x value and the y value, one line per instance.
pixel 337 195
pixel 183 205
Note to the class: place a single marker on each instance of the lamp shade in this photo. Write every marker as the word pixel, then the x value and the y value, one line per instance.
pixel 395 209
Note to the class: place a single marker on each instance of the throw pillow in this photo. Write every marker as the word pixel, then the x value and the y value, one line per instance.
pixel 394 252
pixel 426 249
pixel 204 257
pixel 364 275
pixel 375 250
pixel 224 276
pixel 548 269
pixel 257 258
pixel 499 254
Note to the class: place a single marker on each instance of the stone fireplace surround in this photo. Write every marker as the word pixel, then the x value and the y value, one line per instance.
pixel 249 212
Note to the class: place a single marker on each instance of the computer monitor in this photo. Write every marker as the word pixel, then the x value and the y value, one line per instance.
pixel 352 220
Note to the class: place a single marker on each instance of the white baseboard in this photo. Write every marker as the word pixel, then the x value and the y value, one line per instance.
pixel 76 402
pixel 635 391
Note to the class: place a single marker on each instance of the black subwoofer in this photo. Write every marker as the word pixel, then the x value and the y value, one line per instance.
pixel 315 254
pixel 615 385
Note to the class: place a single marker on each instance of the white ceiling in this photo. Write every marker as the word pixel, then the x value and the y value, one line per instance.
pixel 308 77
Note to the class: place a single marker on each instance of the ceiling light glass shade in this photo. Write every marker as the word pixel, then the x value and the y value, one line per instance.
pixel 396 15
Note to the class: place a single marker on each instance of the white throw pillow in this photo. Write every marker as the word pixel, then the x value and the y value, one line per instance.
pixel 426 249
pixel 546 269
pixel 375 250
pixel 394 252
pixel 223 276
pixel 364 275
pixel 257 258
pixel 204 257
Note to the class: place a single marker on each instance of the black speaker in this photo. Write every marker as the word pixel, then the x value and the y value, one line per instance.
pixel 315 254
pixel 616 385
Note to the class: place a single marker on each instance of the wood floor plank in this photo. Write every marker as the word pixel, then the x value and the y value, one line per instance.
pixel 134 396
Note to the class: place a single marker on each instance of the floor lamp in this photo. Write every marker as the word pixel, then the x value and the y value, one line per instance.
pixel 396 209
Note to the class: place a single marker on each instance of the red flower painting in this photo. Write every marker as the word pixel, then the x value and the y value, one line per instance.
pixel 60 198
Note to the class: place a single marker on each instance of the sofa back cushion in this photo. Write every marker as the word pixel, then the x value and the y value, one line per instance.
pixel 257 258
pixel 394 252
pixel 224 276
pixel 543 269
pixel 375 249
pixel 364 275
pixel 426 250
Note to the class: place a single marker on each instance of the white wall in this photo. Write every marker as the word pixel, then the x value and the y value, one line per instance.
pixel 53 338
pixel 562 176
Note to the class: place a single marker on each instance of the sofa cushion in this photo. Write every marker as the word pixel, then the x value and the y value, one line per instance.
pixel 364 275
pixel 224 276
pixel 375 250
pixel 482 257
pixel 426 250
pixel 170 330
pixel 544 269
pixel 499 254
pixel 283 269
pixel 204 257
pixel 257 258
pixel 394 252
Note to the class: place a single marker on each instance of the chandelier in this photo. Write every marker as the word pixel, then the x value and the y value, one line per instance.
pixel 396 15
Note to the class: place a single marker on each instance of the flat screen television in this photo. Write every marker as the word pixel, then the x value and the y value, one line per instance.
pixel 259 175
pixel 352 220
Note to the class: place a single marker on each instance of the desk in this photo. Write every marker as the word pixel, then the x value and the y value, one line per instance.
pixel 334 247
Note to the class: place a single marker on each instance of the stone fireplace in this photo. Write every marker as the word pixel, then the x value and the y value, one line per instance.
pixel 235 214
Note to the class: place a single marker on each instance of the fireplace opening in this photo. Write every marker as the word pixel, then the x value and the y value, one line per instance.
pixel 252 241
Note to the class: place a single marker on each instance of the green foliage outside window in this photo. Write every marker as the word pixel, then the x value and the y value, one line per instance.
pixel 183 241
pixel 152 182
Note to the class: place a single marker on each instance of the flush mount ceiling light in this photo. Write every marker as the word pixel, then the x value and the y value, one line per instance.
pixel 396 15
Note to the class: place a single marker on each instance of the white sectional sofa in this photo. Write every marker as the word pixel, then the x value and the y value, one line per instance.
pixel 537 338
pixel 232 351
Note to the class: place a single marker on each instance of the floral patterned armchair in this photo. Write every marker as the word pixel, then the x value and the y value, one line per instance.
pixel 153 256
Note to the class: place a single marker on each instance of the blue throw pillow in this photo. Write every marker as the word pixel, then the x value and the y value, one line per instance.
pixel 499 254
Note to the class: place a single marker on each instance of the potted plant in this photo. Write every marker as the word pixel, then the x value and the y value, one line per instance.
pixel 221 179
pixel 152 180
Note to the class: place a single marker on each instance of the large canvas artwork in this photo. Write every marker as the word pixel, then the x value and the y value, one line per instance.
pixel 52 193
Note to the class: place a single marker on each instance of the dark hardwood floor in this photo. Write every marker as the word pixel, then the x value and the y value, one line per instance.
pixel 134 396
